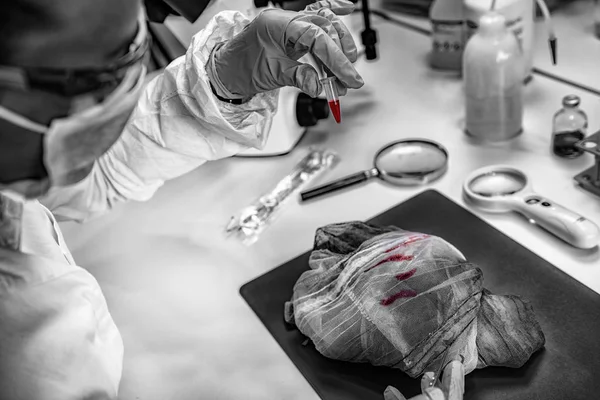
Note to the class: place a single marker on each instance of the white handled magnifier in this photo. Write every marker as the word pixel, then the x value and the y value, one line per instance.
pixel 500 188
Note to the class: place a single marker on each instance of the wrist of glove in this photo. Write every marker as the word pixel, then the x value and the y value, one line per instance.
pixel 218 88
pixel 264 56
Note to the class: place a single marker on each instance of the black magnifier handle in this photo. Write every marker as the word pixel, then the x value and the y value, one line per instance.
pixel 342 183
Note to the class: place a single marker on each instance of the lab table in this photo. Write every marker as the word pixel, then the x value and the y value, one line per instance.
pixel 171 276
pixel 577 46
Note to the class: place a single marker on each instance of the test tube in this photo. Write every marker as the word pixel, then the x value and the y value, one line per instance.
pixel 332 97
pixel 328 83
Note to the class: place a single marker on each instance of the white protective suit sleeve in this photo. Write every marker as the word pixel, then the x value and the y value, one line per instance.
pixel 177 125
pixel 58 340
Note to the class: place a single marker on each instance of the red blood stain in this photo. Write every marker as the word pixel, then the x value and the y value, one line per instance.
pixel 400 295
pixel 405 275
pixel 395 257
pixel 409 240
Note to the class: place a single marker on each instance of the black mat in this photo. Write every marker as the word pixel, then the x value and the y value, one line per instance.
pixel 569 313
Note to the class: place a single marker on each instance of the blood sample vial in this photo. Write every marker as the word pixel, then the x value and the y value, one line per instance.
pixel 569 126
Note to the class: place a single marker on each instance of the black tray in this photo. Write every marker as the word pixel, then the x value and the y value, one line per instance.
pixel 568 368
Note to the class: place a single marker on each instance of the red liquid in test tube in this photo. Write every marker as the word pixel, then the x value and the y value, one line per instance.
pixel 332 97
pixel 334 106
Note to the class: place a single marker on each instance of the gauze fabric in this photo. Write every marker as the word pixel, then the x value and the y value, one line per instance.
pixel 176 126
pixel 402 299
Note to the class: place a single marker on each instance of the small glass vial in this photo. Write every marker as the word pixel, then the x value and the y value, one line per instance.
pixel 448 34
pixel 569 126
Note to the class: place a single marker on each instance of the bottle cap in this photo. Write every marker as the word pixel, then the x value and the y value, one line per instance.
pixel 571 101
pixel 492 23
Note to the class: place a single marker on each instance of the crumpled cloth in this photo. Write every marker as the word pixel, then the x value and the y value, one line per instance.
pixel 404 299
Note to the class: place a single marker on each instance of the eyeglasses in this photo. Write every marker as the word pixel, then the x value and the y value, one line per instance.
pixel 72 82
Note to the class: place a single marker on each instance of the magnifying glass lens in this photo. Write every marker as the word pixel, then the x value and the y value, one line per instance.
pixel 501 183
pixel 411 158
pixel 407 162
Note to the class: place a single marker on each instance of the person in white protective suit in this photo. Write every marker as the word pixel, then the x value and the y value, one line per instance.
pixel 80 130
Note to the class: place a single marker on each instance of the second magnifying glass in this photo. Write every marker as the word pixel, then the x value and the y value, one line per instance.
pixel 408 162
pixel 500 188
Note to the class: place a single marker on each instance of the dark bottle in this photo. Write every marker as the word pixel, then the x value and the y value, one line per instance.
pixel 569 126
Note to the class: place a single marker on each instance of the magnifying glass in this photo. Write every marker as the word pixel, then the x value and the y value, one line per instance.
pixel 500 188
pixel 407 162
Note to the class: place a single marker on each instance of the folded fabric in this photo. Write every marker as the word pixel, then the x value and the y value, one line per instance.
pixel 403 299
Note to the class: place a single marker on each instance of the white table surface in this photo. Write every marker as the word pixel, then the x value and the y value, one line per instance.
pixel 577 47
pixel 171 277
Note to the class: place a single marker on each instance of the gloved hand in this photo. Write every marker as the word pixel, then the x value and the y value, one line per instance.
pixel 264 55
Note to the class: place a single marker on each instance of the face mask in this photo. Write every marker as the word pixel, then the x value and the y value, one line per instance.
pixel 72 144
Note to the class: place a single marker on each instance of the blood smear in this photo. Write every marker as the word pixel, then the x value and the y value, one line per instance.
pixel 400 295
pixel 405 275
pixel 395 257
pixel 334 106
pixel 411 239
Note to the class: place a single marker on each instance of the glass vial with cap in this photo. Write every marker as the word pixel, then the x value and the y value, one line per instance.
pixel 569 126
pixel 448 35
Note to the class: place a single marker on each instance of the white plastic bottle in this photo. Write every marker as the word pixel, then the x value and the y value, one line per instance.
pixel 519 20
pixel 492 74
pixel 448 34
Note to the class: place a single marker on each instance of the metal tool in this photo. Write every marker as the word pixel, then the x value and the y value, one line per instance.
pixel 407 162
pixel 501 188
pixel 453 380
pixel 449 377
pixel 432 378
pixel 440 370
pixel 435 393
pixel 590 178
pixel 446 383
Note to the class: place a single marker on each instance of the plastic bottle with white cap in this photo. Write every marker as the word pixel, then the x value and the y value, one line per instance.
pixel 519 16
pixel 492 74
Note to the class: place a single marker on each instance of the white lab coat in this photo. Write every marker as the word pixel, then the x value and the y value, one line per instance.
pixel 57 338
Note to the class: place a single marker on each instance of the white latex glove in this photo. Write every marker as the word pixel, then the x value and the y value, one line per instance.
pixel 264 55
